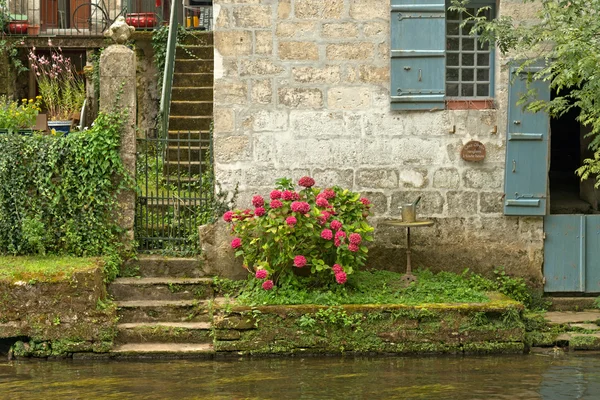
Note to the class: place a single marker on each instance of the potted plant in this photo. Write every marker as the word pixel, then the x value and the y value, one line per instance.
pixel 62 88
pixel 18 116
pixel 17 24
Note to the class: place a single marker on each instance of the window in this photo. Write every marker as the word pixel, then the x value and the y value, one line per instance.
pixel 469 63
pixel 433 59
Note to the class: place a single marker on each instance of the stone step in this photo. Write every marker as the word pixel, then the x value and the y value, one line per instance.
pixel 570 303
pixel 185 136
pixel 157 266
pixel 194 52
pixel 572 317
pixel 165 311
pixel 196 93
pixel 580 341
pixel 191 107
pixel 187 153
pixel 164 332
pixel 194 66
pixel 163 350
pixel 199 38
pixel 196 79
pixel 193 123
pixel 127 289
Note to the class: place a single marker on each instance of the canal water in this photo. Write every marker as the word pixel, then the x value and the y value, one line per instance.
pixel 537 376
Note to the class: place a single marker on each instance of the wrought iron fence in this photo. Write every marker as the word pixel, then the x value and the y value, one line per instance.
pixel 175 187
pixel 80 17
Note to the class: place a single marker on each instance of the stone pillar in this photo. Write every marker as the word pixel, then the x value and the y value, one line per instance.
pixel 118 89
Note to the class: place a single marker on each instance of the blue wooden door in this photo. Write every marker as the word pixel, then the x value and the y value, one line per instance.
pixel 526 172
pixel 418 63
pixel 572 253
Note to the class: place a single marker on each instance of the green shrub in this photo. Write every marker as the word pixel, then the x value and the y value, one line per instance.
pixel 58 194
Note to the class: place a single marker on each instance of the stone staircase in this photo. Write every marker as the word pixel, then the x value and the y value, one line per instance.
pixel 165 312
pixel 191 110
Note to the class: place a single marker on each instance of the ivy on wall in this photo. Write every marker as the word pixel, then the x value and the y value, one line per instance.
pixel 58 194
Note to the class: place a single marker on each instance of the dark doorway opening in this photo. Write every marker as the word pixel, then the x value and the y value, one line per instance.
pixel 568 148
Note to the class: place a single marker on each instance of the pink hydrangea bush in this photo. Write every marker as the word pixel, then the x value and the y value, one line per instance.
pixel 323 231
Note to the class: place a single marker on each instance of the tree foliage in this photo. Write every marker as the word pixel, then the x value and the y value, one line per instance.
pixel 565 38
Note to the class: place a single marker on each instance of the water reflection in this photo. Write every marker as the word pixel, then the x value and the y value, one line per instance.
pixel 500 377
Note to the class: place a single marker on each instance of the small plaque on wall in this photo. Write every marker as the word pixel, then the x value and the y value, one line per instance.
pixel 473 151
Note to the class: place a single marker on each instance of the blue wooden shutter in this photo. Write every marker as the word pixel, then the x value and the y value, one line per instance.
pixel 526 177
pixel 418 42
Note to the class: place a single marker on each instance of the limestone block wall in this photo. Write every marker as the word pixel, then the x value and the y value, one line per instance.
pixel 302 88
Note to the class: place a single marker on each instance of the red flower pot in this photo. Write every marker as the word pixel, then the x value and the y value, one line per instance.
pixel 17 27
pixel 142 20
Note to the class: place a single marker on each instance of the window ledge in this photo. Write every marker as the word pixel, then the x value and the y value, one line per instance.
pixel 481 104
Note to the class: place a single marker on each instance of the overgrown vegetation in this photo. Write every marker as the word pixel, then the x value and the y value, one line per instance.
pixel 43 268
pixel 380 287
pixel 58 195
pixel 564 40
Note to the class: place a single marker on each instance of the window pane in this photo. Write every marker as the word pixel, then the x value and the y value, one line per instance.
pixel 452 16
pixel 483 74
pixel 482 59
pixel 452 74
pixel 452 28
pixel 466 89
pixel 452 89
pixel 452 59
pixel 466 30
pixel 467 75
pixel 483 46
pixel 452 43
pixel 483 90
pixel 468 43
pixel 468 59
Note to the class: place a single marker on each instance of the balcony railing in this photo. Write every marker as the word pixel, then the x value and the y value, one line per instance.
pixel 82 17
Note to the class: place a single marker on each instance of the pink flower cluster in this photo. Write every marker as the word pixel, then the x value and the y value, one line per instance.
pixel 336 225
pixel 261 274
pixel 339 236
pixel 290 195
pixel 259 211
pixel 306 181
pixel 291 221
pixel 326 234
pixel 327 194
pixel 275 194
pixel 275 204
pixel 258 201
pixel 236 243
pixel 267 285
pixel 299 261
pixel 300 207
pixel 228 216
pixel 322 202
pixel 340 275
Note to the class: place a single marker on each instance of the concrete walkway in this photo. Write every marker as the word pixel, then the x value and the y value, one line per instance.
pixel 585 334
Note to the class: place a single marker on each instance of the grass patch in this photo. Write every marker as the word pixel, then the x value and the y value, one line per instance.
pixel 370 287
pixel 43 268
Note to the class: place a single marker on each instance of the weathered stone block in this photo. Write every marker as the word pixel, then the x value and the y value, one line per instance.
pixel 377 178
pixel 217 256
pixel 446 178
pixel 374 28
pixel 313 9
pixel 379 202
pixel 284 9
pixel 348 98
pixel 327 74
pixel 223 19
pixel 224 120
pixel 461 203
pixel 232 148
pixel 255 16
pixel 270 120
pixel 300 97
pixel 340 30
pixel 230 92
pixel 262 92
pixel 413 178
pixel 260 67
pixel 491 202
pixel 233 43
pixel 331 177
pixel 369 9
pixel 240 322
pixel 296 29
pixel 311 124
pixel 263 42
pixel 350 51
pixel 431 203
pixel 373 74
pixel 483 178
pixel 298 50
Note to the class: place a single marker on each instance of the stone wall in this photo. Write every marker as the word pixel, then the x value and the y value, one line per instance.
pixel 302 88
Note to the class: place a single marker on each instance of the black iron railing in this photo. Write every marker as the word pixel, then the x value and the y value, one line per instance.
pixel 80 17
pixel 174 178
